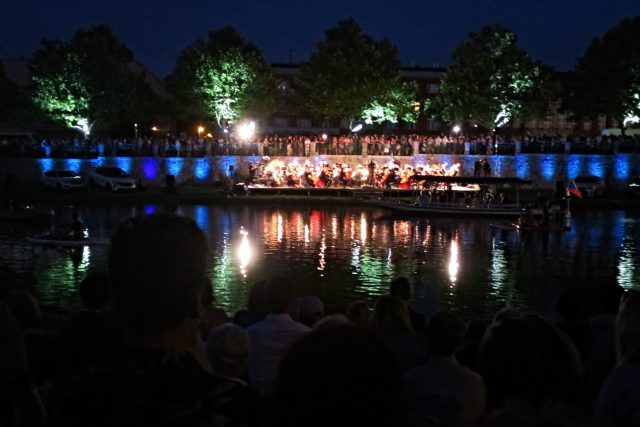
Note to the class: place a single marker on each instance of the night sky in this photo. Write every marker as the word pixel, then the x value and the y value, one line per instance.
pixel 426 32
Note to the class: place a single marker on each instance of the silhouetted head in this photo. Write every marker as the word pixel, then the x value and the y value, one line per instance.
pixel 228 349
pixel 307 310
pixel 628 329
pixel 339 376
pixel 400 287
pixel 95 291
pixel 358 313
pixel 25 309
pixel 529 358
pixel 279 294
pixel 391 316
pixel 157 265
pixel 445 333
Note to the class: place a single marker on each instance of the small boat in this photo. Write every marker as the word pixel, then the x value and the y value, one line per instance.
pixel 67 243
pixel 521 228
pixel 451 209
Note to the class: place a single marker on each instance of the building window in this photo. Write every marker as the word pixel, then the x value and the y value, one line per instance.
pixel 344 123
pixel 586 125
pixel 433 125
pixel 602 122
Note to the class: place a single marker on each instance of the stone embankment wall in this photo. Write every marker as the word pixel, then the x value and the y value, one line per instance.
pixel 542 169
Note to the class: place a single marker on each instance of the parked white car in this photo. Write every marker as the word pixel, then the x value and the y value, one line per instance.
pixel 62 180
pixel 112 179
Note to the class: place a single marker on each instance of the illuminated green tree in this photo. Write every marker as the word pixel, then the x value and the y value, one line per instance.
pixel 606 79
pixel 223 77
pixel 88 81
pixel 397 104
pixel 492 82
pixel 351 75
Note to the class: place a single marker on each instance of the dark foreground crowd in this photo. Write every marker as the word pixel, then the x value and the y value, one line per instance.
pixel 151 349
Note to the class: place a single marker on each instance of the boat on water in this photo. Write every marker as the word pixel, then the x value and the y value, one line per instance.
pixel 423 205
pixel 67 243
pixel 450 209
pixel 519 227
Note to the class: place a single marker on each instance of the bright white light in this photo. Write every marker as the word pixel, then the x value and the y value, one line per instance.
pixel 630 120
pixel 357 128
pixel 502 118
pixel 83 126
pixel 324 136
pixel 456 129
pixel 246 130
pixel 244 252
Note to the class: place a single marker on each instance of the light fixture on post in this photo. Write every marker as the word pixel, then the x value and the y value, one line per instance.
pixel 246 130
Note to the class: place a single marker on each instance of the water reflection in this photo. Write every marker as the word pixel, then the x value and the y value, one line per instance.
pixel 347 253
pixel 244 252
pixel 454 265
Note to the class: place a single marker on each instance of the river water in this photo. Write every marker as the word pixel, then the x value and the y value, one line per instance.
pixel 346 253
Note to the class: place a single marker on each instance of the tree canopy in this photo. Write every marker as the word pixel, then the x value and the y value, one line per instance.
pixel 351 75
pixel 223 77
pixel 88 80
pixel 492 81
pixel 606 80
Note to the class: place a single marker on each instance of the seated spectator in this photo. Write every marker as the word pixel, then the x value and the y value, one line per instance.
pixel 230 398
pixel 272 337
pixel 157 269
pixel 358 313
pixel 619 401
pixel 401 288
pixel 38 341
pixel 469 354
pixel 440 391
pixel 533 375
pixel 257 308
pixel 307 310
pixel 96 336
pixel 343 377
pixel 212 316
pixel 391 322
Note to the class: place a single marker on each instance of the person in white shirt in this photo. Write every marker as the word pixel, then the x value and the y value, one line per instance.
pixel 272 337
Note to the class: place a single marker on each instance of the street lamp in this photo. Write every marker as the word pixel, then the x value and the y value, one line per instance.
pixel 200 130
pixel 154 128
pixel 456 129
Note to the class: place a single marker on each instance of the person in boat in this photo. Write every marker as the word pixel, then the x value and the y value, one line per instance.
pixel 77 228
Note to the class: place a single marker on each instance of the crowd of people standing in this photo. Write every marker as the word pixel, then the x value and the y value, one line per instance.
pixel 307 145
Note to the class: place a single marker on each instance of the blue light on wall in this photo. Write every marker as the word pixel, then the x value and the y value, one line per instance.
pixel 596 166
pixel 150 169
pixel 498 165
pixel 149 210
pixel 548 168
pixel 124 163
pixel 621 167
pixel 574 165
pixel 522 166
pixel 228 161
pixel 175 165
pixel 201 169
pixel 73 165
pixel 45 164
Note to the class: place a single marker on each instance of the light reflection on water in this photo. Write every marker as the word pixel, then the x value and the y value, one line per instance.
pixel 347 253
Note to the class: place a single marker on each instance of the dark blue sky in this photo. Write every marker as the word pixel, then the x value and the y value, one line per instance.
pixel 426 32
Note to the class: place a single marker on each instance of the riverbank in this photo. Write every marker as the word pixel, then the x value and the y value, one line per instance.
pixel 212 195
